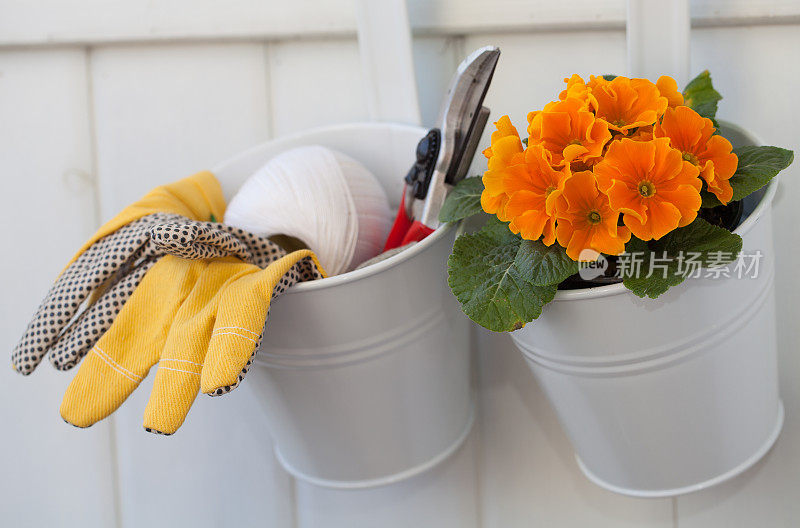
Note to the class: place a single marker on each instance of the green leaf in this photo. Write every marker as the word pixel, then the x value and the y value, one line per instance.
pixel 701 96
pixel 503 281
pixel 609 77
pixel 708 199
pixel 679 254
pixel 463 201
pixel 757 166
pixel 548 264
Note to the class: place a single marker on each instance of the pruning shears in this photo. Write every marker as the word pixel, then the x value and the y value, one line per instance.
pixel 444 154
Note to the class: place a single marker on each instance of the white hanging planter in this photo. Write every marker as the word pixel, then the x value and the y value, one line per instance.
pixel 668 396
pixel 364 377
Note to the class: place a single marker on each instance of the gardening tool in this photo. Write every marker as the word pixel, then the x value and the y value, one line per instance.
pixel 445 153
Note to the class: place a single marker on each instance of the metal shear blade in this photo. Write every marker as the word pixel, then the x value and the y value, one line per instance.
pixel 462 120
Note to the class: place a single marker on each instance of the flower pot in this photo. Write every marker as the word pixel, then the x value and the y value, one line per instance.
pixel 668 396
pixel 364 377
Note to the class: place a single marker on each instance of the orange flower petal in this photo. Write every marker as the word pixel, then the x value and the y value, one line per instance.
pixel 711 154
pixel 668 88
pixel 651 184
pixel 569 132
pixel 683 126
pixel 663 217
pixel 718 150
pixel 586 221
pixel 626 103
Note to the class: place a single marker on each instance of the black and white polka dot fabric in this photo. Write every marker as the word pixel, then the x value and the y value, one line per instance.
pixel 105 275
pixel 201 240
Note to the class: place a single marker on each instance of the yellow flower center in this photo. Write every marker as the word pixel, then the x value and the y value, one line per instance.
pixel 619 123
pixel 647 189
pixel 594 217
pixel 691 158
pixel 548 191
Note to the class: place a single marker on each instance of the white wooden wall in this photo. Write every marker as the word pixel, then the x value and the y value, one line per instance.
pixel 100 101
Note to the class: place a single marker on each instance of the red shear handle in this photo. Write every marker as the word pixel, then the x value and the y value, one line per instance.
pixel 404 230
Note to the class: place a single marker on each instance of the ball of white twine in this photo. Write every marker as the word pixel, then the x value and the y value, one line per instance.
pixel 323 198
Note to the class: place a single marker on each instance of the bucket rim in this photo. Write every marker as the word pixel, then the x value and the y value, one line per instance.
pixel 620 289
pixel 373 269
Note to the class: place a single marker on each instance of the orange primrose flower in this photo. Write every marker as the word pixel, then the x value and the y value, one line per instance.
pixel 505 150
pixel 587 226
pixel 533 188
pixel 694 136
pixel 626 103
pixel 577 89
pixel 569 131
pixel 651 184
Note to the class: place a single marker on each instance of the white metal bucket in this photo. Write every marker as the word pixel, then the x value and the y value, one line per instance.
pixel 668 396
pixel 365 376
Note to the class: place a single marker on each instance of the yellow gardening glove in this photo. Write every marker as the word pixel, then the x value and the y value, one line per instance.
pixel 198 197
pixel 90 291
pixel 183 314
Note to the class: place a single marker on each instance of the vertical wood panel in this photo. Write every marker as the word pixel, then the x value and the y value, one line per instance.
pixel 163 113
pixel 435 62
pixel 51 471
pixel 756 72
pixel 315 83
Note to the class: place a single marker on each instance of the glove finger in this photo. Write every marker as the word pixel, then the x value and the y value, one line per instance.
pixel 86 329
pixel 263 251
pixel 122 357
pixel 198 240
pixel 242 312
pixel 175 388
pixel 90 271
pixel 177 380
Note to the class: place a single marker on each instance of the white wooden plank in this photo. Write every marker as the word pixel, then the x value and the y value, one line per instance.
pixel 435 62
pixel 217 470
pixel 658 39
pixel 315 83
pixel 100 21
pixel 51 472
pixel 384 42
pixel 528 472
pixel 165 112
pixel 444 497
pixel 47 22
pixel 755 70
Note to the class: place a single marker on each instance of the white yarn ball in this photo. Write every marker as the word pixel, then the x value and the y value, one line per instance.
pixel 322 197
